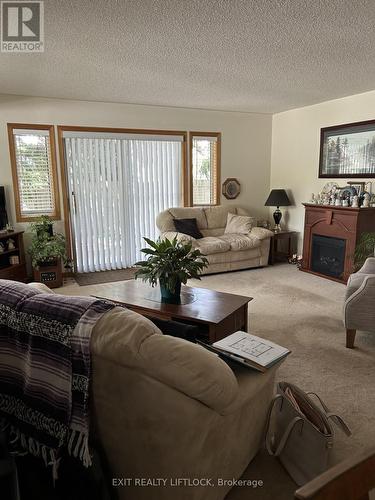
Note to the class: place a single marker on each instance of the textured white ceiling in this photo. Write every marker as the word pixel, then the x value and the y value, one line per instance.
pixel 238 55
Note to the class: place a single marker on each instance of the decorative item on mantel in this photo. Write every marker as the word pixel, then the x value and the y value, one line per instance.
pixel 277 198
pixel 355 195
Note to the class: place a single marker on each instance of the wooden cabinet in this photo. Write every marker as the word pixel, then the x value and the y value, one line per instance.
pixel 9 270
pixel 275 253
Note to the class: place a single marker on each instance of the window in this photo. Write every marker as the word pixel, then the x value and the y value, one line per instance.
pixel 33 160
pixel 205 168
pixel 117 183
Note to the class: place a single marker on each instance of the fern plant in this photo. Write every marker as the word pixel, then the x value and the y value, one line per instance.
pixel 365 248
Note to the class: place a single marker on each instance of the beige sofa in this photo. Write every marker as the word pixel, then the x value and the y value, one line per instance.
pixel 225 252
pixel 167 409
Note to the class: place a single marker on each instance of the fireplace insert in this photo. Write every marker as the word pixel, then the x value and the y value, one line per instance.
pixel 328 255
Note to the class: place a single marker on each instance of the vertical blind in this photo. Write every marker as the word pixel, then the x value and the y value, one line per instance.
pixel 118 184
pixel 204 170
pixel 34 172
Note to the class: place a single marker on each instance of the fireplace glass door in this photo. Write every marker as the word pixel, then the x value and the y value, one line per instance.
pixel 328 255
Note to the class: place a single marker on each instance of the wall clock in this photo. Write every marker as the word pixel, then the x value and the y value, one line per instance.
pixel 231 188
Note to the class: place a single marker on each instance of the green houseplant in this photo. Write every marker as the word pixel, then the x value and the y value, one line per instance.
pixel 46 246
pixel 365 248
pixel 47 251
pixel 170 263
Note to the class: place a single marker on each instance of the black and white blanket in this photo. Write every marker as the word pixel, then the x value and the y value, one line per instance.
pixel 45 370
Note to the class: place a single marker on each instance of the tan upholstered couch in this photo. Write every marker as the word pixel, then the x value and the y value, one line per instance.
pixel 167 409
pixel 225 252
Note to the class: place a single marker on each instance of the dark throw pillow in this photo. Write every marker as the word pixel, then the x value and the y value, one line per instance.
pixel 188 226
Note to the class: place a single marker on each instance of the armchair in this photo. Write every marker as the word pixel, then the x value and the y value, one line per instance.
pixel 359 306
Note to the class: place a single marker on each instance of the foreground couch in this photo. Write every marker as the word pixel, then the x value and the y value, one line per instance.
pixel 166 409
pixel 225 252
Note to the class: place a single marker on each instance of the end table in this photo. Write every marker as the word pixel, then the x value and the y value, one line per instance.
pixel 275 253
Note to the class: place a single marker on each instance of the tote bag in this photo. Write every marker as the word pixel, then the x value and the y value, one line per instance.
pixel 300 433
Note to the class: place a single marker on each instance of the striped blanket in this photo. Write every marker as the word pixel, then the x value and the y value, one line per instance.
pixel 45 370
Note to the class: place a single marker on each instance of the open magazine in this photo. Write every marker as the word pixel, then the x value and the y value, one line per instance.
pixel 249 350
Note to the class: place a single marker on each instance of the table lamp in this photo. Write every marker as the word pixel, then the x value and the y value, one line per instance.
pixel 277 198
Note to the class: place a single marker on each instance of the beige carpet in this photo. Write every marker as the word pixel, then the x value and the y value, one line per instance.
pixel 303 313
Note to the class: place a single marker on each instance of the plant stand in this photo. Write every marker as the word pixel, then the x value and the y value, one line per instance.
pixel 50 275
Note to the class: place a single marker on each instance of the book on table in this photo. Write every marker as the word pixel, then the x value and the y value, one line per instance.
pixel 249 350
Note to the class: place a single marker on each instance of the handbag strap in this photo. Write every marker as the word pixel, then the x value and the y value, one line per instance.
pixel 284 438
pixel 335 418
pixel 340 423
pixel 286 434
pixel 324 406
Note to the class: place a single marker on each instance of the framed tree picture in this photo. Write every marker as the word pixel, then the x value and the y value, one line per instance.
pixel 348 150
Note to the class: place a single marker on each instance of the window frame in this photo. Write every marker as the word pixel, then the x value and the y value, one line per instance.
pixel 56 215
pixel 217 188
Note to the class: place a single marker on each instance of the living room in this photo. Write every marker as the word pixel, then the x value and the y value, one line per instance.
pixel 132 106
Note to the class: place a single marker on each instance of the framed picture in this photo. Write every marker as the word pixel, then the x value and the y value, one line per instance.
pixel 348 150
pixel 231 188
pixel 359 186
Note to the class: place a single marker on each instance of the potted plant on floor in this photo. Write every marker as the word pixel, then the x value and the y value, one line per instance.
pixel 48 252
pixel 170 263
pixel 365 248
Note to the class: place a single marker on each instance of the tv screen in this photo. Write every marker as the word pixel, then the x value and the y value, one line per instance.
pixel 2 198
pixel 3 212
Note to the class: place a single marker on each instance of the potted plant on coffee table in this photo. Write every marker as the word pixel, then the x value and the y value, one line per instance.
pixel 48 252
pixel 170 263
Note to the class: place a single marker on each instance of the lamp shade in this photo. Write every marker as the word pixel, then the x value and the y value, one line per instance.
pixel 277 198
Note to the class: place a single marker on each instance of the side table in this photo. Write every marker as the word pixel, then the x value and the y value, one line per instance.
pixel 275 253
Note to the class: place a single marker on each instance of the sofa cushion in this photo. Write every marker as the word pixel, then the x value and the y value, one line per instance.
pixel 190 213
pixel 164 220
pixel 210 245
pixel 239 242
pixel 216 231
pixel 181 237
pixel 239 224
pixel 232 256
pixel 189 227
pixel 126 338
pixel 217 216
pixel 261 233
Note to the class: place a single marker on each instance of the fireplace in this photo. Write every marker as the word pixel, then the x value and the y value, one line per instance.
pixel 330 237
pixel 328 255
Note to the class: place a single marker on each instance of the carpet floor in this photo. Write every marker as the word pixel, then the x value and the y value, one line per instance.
pixel 304 313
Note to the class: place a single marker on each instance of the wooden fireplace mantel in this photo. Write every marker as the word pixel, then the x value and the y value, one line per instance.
pixel 338 222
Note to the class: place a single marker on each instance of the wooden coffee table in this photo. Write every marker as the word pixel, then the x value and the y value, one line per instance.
pixel 217 314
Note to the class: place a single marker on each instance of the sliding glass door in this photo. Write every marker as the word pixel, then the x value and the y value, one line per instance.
pixel 117 184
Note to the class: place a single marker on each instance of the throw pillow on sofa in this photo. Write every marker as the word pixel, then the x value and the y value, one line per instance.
pixel 238 224
pixel 188 226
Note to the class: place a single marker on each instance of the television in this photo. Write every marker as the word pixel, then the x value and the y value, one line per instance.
pixel 3 210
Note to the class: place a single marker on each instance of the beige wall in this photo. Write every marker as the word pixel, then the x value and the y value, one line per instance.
pixel 291 162
pixel 246 137
pixel 295 148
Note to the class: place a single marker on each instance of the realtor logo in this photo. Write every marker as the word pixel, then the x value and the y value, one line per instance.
pixel 22 26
